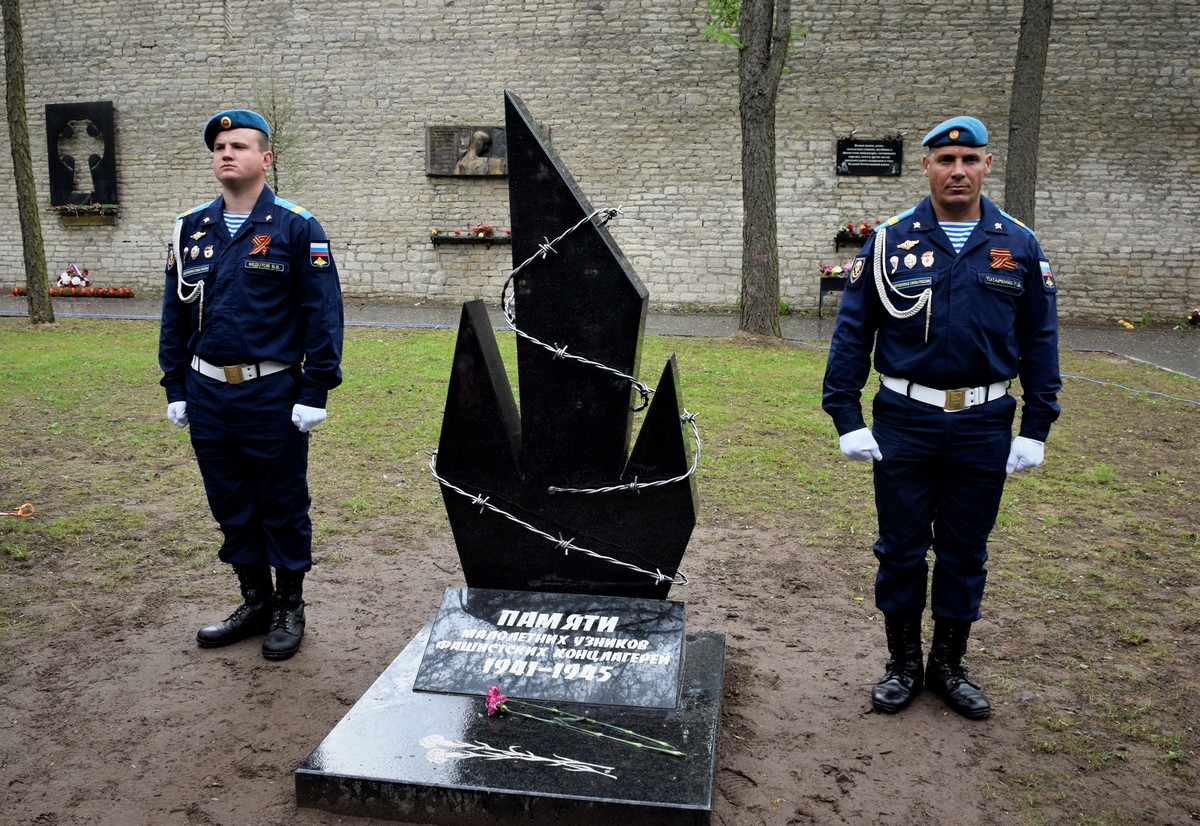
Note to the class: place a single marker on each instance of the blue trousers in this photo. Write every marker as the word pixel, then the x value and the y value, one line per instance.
pixel 938 486
pixel 254 463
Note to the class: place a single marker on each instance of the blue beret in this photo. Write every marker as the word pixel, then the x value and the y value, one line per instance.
pixel 234 119
pixel 960 131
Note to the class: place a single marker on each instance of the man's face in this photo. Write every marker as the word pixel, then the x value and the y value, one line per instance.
pixel 238 157
pixel 956 177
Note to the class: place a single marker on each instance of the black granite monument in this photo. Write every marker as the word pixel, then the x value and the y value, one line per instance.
pixel 570 542
pixel 81 141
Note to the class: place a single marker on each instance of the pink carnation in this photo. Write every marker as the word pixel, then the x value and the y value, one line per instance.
pixel 495 700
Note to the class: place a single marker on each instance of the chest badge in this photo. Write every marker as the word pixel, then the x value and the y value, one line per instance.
pixel 910 261
pixel 927 259
pixel 208 251
pixel 261 244
pixel 196 236
pixel 195 251
pixel 1002 259
pixel 909 244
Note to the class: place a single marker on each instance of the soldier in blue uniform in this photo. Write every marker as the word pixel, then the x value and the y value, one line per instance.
pixel 250 346
pixel 956 299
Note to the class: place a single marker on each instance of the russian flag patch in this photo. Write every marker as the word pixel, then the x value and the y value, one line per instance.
pixel 318 254
pixel 1048 277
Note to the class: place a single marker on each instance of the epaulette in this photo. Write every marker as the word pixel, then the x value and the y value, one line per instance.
pixel 1018 223
pixel 290 207
pixel 895 219
pixel 194 210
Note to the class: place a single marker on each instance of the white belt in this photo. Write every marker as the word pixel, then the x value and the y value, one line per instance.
pixel 237 373
pixel 948 400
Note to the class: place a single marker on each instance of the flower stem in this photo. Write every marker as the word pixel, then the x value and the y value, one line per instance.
pixel 565 720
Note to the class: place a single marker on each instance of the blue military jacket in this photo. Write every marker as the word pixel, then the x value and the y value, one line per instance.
pixel 270 293
pixel 992 316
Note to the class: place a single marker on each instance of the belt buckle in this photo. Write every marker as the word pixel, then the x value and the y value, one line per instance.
pixel 233 375
pixel 956 399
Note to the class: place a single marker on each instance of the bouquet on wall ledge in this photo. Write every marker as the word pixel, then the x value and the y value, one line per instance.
pixel 851 231
pixel 87 209
pixel 835 270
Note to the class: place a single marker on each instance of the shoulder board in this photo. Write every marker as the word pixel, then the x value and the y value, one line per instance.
pixel 895 219
pixel 1018 223
pixel 290 207
pixel 194 210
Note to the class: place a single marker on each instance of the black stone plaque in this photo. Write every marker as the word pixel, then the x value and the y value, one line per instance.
pixel 425 757
pixel 82 145
pixel 465 150
pixel 517 525
pixel 870 157
pixel 556 647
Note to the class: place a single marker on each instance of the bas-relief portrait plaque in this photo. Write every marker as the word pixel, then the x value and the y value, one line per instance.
pixel 466 151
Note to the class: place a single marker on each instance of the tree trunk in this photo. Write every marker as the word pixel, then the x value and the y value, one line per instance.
pixel 36 280
pixel 1025 111
pixel 765 31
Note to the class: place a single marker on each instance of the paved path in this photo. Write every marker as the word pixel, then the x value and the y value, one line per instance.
pixel 1177 350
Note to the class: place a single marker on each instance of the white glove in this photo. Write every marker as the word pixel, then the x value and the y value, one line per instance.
pixel 1024 453
pixel 306 418
pixel 860 446
pixel 177 413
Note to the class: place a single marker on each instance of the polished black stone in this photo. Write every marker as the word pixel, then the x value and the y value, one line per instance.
pixel 438 758
pixel 575 420
pixel 556 647
pixel 85 130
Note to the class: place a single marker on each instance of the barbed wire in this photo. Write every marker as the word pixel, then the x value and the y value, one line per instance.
pixel 560 350
pixel 635 485
pixel 561 543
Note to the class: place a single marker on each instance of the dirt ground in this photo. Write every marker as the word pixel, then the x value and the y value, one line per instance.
pixel 111 714
pixel 121 719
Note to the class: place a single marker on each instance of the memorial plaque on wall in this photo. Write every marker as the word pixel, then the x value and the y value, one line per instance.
pixel 869 157
pixel 556 647
pixel 81 138
pixel 465 150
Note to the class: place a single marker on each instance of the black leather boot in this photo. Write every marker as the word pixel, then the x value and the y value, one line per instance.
pixel 902 678
pixel 251 618
pixel 287 621
pixel 946 675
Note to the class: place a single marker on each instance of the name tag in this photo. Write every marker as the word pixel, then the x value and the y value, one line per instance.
pixel 260 265
pixel 1002 283
pixel 906 283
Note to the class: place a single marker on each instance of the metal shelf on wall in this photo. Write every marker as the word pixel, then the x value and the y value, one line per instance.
pixel 854 242
pixel 442 238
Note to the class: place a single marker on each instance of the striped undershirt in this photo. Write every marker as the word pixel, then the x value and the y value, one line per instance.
pixel 234 221
pixel 958 232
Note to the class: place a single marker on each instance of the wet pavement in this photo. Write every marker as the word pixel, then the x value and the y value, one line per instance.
pixel 1177 350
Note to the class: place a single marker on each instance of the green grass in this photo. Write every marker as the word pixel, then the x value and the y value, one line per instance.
pixel 1094 559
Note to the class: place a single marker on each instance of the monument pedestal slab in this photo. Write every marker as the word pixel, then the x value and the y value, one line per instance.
pixel 425 757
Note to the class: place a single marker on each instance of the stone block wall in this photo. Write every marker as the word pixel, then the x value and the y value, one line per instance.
pixel 643 110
